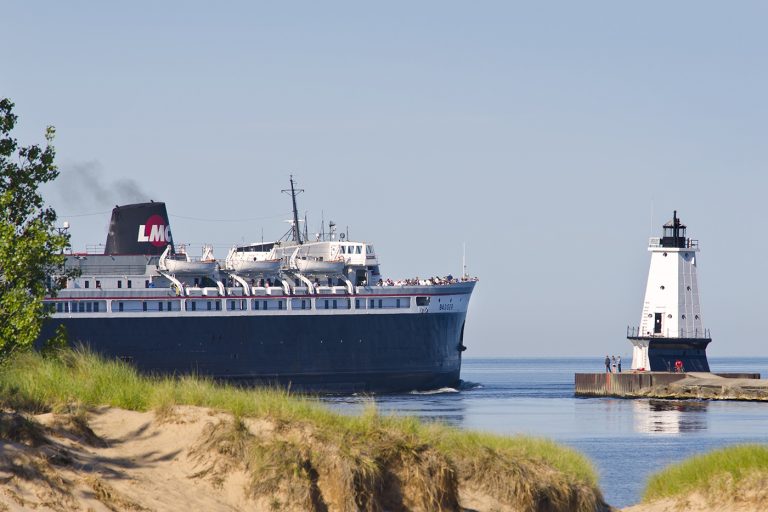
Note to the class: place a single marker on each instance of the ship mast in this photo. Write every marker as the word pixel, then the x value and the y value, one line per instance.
pixel 294 192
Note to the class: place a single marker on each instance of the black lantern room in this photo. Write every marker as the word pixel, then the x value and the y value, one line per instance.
pixel 674 233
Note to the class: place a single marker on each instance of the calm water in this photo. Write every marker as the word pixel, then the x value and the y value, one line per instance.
pixel 626 439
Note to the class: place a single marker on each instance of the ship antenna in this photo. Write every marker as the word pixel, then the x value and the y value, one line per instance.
pixel 294 192
pixel 464 260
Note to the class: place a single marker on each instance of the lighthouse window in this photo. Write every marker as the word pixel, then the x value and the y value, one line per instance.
pixel 665 255
pixel 683 317
pixel 669 316
pixel 662 287
pixel 696 317
pixel 689 288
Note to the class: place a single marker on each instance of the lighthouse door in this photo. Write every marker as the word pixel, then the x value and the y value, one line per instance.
pixel 657 324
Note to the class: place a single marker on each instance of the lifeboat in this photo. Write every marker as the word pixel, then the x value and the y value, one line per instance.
pixel 181 264
pixel 252 264
pixel 312 265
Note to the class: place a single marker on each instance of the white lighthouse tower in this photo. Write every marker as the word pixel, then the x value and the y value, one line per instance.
pixel 671 332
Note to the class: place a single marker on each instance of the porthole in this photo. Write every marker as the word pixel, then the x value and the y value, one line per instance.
pixel 683 317
pixel 662 287
pixel 696 317
pixel 689 288
pixel 669 315
pixel 665 255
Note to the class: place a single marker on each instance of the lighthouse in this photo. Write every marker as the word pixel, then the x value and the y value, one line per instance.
pixel 671 333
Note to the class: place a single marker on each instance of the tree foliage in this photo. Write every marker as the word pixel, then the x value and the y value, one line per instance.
pixel 31 249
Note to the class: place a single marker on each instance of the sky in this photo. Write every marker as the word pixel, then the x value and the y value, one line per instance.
pixel 552 138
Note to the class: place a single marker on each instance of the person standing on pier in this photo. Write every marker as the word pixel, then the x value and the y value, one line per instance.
pixel 607 364
pixel 618 363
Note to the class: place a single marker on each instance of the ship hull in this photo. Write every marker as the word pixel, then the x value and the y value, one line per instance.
pixel 319 353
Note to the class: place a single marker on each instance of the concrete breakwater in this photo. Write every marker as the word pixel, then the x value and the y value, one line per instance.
pixel 699 385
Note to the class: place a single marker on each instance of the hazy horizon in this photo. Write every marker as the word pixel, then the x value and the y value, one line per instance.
pixel 552 139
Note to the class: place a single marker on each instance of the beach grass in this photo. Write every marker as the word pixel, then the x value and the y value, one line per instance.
pixel 723 470
pixel 518 469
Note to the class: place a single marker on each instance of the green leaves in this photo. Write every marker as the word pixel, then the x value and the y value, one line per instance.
pixel 31 249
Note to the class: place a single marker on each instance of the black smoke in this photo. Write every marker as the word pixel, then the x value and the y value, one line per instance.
pixel 84 185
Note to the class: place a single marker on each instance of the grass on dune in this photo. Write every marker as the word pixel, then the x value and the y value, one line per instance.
pixel 702 473
pixel 33 383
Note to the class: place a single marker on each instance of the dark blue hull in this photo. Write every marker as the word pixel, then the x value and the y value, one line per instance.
pixel 327 353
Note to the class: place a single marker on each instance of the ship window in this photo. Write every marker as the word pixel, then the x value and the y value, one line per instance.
pixel 98 284
pixel 326 303
pixel 371 306
pixel 129 283
pixel 357 303
pixel 96 307
pixel 343 250
pixel 144 306
pixel 119 283
pixel 66 307
pixel 58 307
pixel 231 306
pixel 359 249
pixel 208 305
pixel 87 284
pixel 398 303
pixel 120 306
pixel 194 306
pixel 88 307
pixel 146 283
pixel 159 306
pixel 169 306
pixel 422 301
pixel 380 306
pixel 256 305
pixel 279 304
pixel 369 249
pixel 81 308
pixel 335 306
pixel 218 305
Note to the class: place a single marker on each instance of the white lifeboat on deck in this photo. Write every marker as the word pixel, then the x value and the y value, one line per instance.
pixel 181 264
pixel 249 264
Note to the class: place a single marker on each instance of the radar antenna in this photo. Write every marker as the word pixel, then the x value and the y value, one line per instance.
pixel 294 192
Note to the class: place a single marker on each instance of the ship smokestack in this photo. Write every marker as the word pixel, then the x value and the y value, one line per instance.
pixel 141 228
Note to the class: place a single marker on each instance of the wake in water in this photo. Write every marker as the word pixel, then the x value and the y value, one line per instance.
pixel 434 391
pixel 464 385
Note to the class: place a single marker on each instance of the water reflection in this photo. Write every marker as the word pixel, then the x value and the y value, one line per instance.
pixel 669 416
